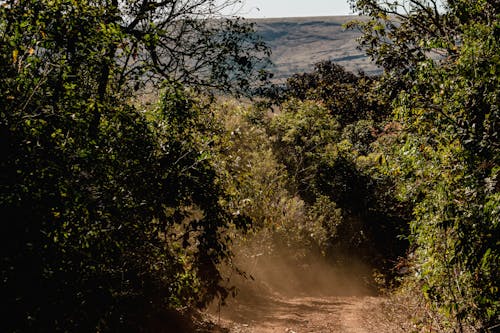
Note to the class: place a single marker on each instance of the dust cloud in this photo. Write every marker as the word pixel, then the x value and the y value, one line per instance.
pixel 284 274
pixel 312 276
pixel 281 289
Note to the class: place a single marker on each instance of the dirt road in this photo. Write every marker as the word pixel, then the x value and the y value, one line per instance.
pixel 283 296
pixel 331 314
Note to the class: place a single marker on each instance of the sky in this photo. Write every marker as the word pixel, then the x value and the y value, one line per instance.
pixel 293 8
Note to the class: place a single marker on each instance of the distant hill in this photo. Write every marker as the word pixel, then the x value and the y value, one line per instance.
pixel 298 43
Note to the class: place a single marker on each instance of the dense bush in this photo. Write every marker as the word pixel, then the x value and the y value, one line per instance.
pixel 349 97
pixel 116 213
pixel 327 161
pixel 446 157
pixel 113 213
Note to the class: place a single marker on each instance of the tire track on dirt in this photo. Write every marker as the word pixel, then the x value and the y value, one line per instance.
pixel 326 314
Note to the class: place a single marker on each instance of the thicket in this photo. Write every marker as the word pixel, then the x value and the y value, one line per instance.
pixel 113 213
pixel 408 161
pixel 441 72
pixel 116 212
pixel 323 132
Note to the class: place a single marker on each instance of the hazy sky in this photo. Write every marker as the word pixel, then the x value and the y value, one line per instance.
pixel 294 8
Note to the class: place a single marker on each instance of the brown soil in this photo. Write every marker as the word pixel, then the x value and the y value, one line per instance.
pixel 346 314
pixel 312 298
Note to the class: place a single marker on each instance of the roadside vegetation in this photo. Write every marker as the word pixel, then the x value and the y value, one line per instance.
pixel 121 213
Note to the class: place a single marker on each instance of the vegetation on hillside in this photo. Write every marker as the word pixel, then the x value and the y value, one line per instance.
pixel 446 66
pixel 119 213
pixel 113 214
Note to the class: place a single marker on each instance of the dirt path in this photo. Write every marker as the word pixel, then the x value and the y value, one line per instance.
pixel 286 297
pixel 327 314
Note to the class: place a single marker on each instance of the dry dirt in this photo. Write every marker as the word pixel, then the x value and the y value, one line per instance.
pixel 311 298
pixel 354 314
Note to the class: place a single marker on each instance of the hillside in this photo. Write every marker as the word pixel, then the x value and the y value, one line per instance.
pixel 298 43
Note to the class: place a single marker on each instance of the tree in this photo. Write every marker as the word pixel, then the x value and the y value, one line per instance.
pixel 400 35
pixel 348 96
pixel 303 133
pixel 188 41
pixel 448 159
pixel 182 40
pixel 113 213
pixel 321 159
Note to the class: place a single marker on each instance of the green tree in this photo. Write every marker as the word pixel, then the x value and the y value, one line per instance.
pixel 348 96
pixel 448 157
pixel 113 213
pixel 322 162
pixel 303 133
pixel 400 35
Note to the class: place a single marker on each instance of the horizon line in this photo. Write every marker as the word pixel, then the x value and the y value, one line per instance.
pixel 296 17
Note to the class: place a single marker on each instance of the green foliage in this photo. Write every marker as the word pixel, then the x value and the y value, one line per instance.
pixel 348 97
pixel 446 155
pixel 99 228
pixel 323 134
pixel 329 169
pixel 113 214
pixel 454 234
pixel 256 184
pixel 328 220
pixel 303 133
